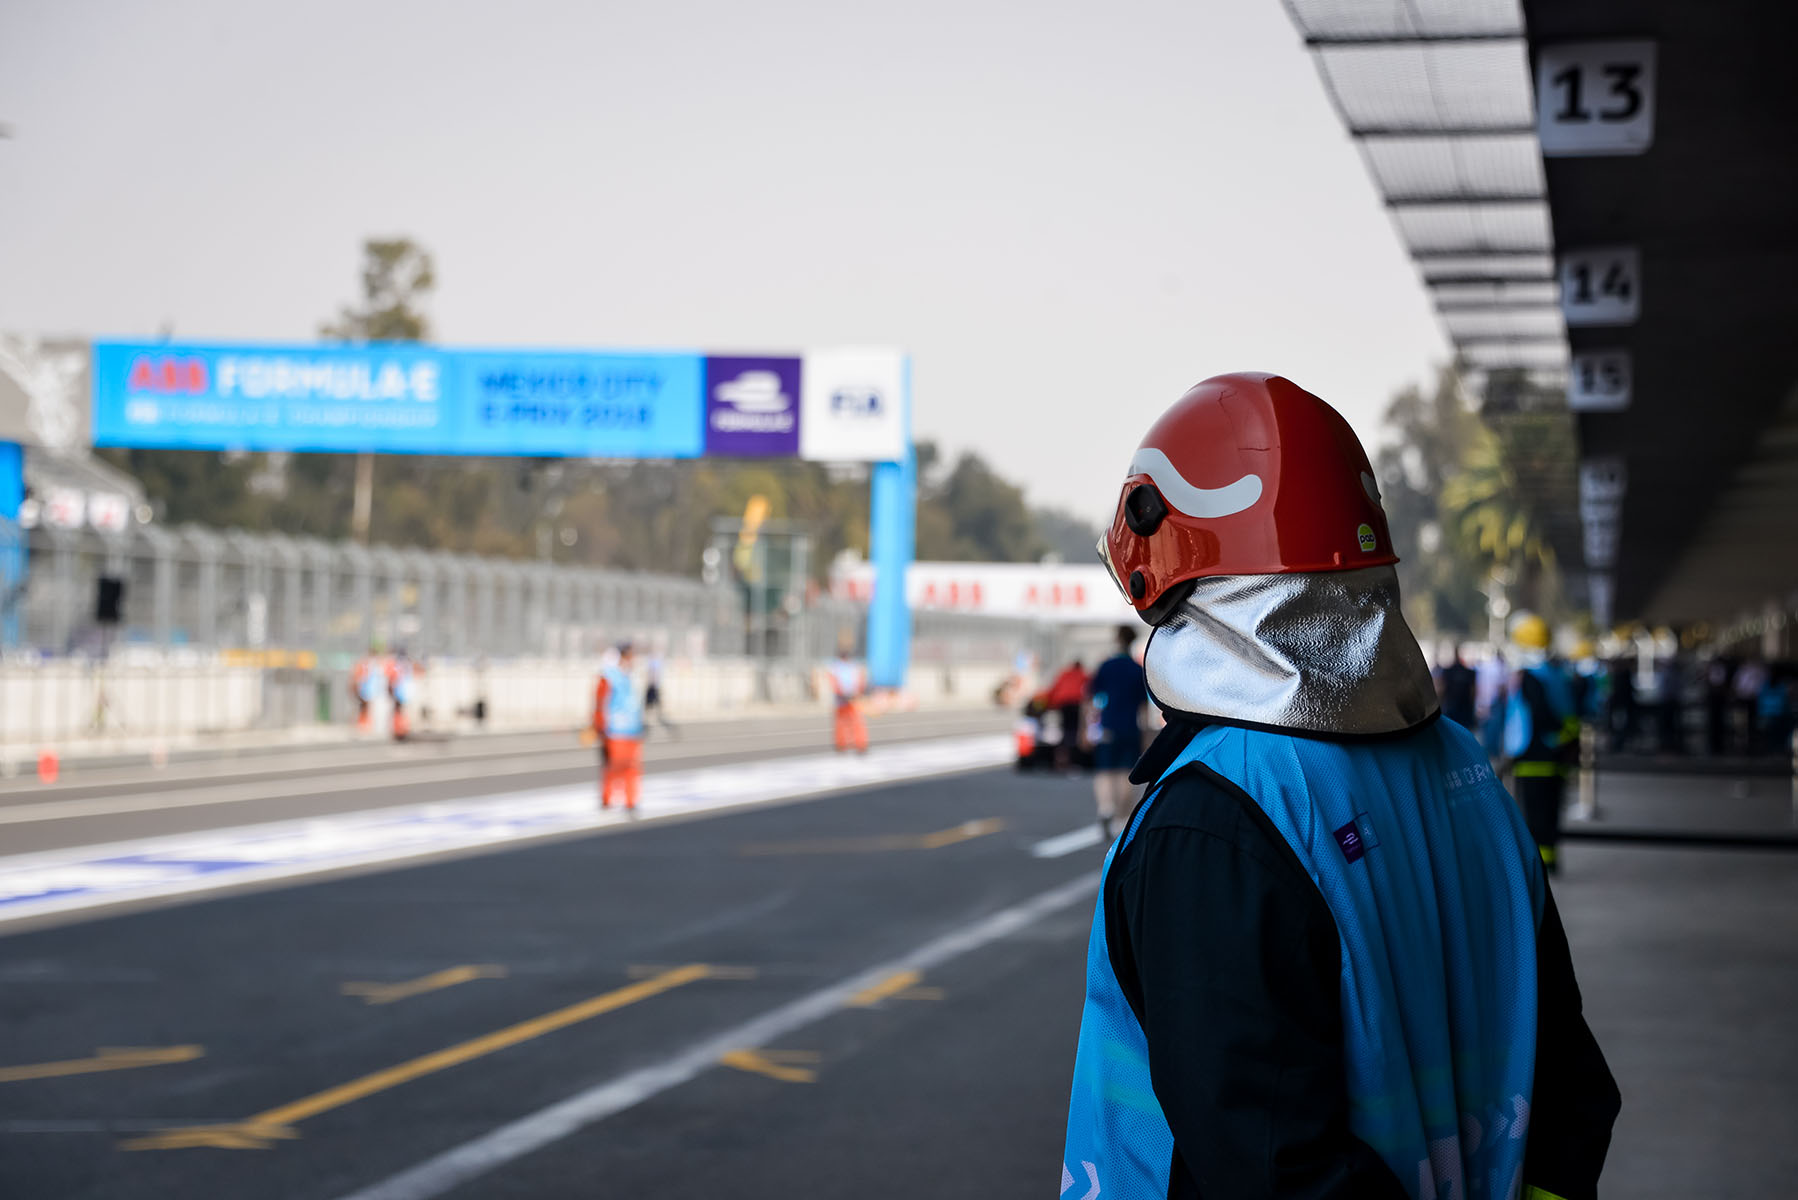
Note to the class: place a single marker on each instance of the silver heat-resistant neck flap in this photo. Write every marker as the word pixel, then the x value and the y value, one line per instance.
pixel 1325 653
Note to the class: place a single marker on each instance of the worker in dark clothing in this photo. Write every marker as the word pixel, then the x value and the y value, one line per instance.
pixel 1115 695
pixel 1541 736
pixel 1326 963
pixel 1456 688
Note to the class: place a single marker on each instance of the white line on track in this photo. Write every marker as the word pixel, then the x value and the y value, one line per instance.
pixel 397 758
pixel 357 778
pixel 1067 843
pixel 87 877
pixel 451 1169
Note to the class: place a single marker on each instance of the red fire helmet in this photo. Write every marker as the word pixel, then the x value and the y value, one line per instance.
pixel 1246 474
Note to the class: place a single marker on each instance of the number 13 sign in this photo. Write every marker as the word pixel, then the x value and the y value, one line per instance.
pixel 1595 98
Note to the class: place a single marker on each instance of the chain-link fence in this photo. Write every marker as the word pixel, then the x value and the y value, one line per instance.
pixel 169 632
pixel 235 592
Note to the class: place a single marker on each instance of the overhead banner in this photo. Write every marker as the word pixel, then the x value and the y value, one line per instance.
pixel 395 399
pixel 832 405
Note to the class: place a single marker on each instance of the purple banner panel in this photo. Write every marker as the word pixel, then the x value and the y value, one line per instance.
pixel 752 407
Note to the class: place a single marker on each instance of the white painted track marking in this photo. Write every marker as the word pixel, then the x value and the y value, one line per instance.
pixel 56 881
pixel 1067 843
pixel 364 776
pixel 451 1169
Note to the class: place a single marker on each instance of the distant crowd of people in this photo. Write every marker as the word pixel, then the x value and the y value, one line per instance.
pixel 1677 705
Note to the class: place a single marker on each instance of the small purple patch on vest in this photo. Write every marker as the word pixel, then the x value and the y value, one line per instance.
pixel 1349 838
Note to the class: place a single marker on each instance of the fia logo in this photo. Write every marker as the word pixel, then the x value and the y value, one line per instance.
pixel 857 403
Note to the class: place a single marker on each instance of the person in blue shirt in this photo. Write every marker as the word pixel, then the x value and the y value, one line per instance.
pixel 1115 696
pixel 1325 961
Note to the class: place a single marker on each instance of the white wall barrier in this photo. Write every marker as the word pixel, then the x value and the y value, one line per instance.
pixel 59 702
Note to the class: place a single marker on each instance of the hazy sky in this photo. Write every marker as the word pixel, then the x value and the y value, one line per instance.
pixel 1067 212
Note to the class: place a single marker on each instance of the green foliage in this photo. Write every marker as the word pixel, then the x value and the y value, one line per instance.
pixel 1071 538
pixel 1468 496
pixel 397 279
pixel 971 514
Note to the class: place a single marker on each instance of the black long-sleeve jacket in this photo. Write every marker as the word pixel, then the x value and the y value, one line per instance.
pixel 1230 959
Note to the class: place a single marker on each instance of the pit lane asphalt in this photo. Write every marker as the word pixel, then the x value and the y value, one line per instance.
pixel 954 1085
pixel 960 1076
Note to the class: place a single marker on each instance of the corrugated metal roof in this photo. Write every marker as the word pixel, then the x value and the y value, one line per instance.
pixel 1438 96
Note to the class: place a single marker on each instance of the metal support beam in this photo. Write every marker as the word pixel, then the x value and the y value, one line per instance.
pixel 1451 199
pixel 1352 40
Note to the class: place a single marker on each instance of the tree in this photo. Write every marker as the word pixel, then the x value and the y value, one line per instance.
pixel 397 279
pixel 398 276
pixel 1072 538
pixel 971 514
pixel 1431 435
pixel 1475 497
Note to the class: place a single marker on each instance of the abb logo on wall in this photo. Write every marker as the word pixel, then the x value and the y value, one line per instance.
pixel 168 375
pixel 1057 592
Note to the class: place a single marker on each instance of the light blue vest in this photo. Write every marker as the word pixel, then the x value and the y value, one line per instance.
pixel 624 708
pixel 846 680
pixel 1436 891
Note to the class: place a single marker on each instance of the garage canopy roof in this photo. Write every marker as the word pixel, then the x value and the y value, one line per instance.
pixel 1440 97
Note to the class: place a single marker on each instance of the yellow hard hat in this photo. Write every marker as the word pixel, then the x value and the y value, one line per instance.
pixel 1584 648
pixel 1530 632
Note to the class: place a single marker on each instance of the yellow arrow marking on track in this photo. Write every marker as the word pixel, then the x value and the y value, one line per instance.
pixel 387 993
pixel 966 831
pixel 892 985
pixel 257 1132
pixel 106 1058
pixel 775 1064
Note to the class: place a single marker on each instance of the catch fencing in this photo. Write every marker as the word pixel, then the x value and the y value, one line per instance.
pixel 218 631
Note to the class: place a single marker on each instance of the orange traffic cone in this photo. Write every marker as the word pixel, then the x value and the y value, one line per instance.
pixel 48 766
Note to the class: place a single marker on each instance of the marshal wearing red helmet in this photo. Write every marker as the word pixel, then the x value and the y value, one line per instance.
pixel 1326 963
pixel 1246 475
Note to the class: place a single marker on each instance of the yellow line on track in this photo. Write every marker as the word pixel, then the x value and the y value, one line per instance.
pixel 892 985
pixel 259 1131
pixel 773 1063
pixel 107 1058
pixel 387 993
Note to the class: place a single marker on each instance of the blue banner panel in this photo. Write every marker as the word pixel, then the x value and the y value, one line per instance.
pixel 596 405
pixel 385 398
pixel 398 399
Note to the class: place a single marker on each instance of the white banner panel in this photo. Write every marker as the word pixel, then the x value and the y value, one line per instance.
pixel 852 405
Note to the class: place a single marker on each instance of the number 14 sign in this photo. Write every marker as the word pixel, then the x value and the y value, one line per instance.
pixel 1601 286
pixel 1595 98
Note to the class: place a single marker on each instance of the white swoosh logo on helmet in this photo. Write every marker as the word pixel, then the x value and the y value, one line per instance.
pixel 1206 503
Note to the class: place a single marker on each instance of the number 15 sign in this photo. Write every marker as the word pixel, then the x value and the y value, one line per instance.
pixel 1595 98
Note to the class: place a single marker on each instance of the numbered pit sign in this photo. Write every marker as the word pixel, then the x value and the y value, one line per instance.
pixel 1603 479
pixel 1601 538
pixel 1595 98
pixel 1599 381
pixel 1601 287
